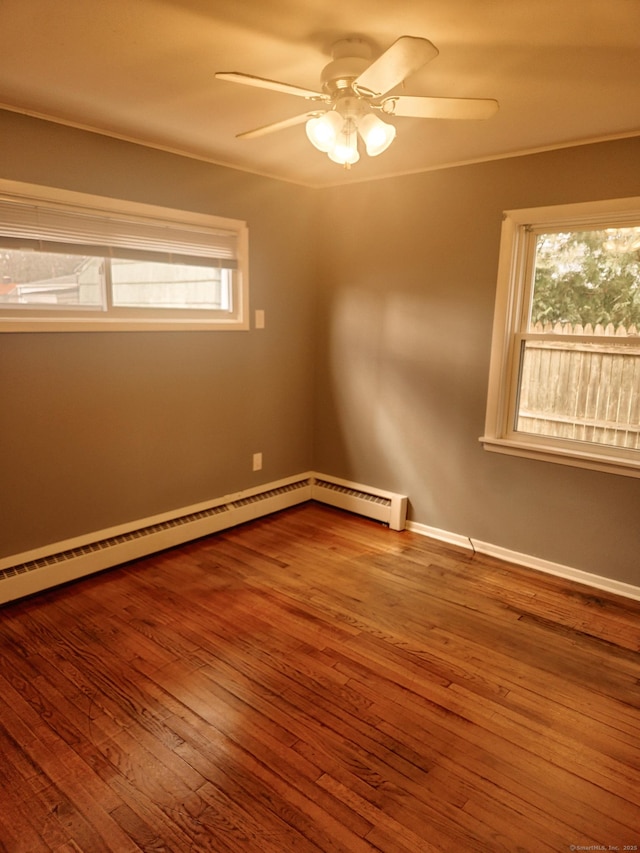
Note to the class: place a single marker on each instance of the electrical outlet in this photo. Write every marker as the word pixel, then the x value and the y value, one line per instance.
pixel 257 461
pixel 259 318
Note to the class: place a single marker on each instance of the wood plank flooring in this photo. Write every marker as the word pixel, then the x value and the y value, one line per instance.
pixel 315 682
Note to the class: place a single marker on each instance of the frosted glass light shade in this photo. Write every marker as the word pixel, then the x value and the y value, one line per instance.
pixel 323 131
pixel 377 134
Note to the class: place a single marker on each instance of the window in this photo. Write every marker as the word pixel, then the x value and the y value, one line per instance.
pixel 70 262
pixel 564 381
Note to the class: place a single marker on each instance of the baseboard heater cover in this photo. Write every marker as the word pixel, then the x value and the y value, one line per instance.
pixel 61 562
pixel 387 507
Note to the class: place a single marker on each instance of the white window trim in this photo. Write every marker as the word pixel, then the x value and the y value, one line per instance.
pixel 146 320
pixel 512 289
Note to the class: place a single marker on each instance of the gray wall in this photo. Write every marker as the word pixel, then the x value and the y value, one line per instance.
pixel 373 366
pixel 101 429
pixel 407 297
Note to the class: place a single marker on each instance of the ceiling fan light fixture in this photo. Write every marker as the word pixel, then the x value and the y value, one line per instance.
pixel 322 131
pixel 354 89
pixel 377 134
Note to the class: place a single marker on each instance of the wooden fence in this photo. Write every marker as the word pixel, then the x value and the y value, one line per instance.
pixel 582 390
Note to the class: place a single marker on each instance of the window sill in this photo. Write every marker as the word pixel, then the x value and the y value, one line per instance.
pixel 563 456
pixel 105 324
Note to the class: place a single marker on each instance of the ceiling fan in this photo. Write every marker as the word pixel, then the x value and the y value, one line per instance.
pixel 355 91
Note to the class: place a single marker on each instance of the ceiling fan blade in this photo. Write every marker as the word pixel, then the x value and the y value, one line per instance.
pixel 450 108
pixel 278 125
pixel 264 83
pixel 405 56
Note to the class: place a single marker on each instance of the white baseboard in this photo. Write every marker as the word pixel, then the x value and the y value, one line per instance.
pixel 441 535
pixel 567 572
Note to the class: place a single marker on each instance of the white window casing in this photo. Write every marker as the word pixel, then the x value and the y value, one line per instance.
pixel 512 334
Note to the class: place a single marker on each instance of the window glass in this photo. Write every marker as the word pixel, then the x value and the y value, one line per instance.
pixel 580 391
pixel 51 279
pixel 587 279
pixel 148 284
pixel 573 384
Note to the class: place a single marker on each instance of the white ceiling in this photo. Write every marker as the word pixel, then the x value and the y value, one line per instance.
pixel 564 71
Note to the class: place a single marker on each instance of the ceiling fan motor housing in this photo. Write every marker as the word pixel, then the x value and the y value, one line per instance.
pixel 350 58
pixel 341 73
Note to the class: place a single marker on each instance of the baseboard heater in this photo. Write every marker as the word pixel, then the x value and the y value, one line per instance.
pixel 387 507
pixel 37 570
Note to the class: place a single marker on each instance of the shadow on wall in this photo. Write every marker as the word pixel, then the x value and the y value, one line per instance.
pixel 406 395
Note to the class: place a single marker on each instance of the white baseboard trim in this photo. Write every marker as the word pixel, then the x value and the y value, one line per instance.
pixel 441 535
pixel 59 562
pixel 626 590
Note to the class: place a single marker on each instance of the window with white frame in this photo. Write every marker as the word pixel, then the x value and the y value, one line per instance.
pixel 70 262
pixel 564 381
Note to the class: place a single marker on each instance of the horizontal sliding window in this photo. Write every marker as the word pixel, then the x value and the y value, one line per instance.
pixel 565 371
pixel 68 264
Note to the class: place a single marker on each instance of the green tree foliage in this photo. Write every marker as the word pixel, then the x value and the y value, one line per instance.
pixel 588 277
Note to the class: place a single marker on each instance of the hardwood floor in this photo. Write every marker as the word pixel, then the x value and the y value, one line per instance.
pixel 315 682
